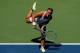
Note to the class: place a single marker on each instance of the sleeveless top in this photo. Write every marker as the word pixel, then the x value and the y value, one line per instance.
pixel 44 19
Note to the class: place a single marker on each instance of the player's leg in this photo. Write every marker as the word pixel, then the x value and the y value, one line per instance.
pixel 43 28
pixel 29 15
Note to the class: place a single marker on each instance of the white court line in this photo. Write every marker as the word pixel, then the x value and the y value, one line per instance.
pixel 36 43
pixel 70 43
pixel 19 44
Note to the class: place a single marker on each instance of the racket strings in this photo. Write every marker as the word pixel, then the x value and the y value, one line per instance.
pixel 51 35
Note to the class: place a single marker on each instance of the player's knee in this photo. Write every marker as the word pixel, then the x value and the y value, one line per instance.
pixel 27 21
pixel 43 37
pixel 26 17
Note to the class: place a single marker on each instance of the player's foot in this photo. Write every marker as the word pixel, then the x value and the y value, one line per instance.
pixel 42 49
pixel 34 6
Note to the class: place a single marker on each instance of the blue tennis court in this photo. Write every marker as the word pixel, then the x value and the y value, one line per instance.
pixel 35 49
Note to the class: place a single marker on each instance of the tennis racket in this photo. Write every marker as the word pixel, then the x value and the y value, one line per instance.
pixel 50 35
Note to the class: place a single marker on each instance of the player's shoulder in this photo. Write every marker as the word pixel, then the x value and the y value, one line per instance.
pixel 43 11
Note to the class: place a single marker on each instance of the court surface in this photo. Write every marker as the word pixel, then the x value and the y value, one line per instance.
pixel 14 29
pixel 35 48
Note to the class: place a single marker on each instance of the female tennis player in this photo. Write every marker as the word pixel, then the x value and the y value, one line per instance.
pixel 41 19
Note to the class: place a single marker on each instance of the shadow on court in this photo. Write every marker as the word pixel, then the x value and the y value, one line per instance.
pixel 49 45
